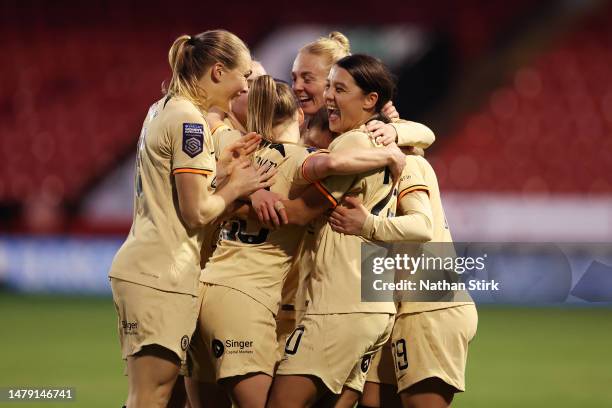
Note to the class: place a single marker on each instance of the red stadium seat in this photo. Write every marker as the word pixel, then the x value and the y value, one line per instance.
pixel 548 130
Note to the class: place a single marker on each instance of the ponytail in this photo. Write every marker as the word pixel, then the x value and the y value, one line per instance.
pixel 270 102
pixel 191 56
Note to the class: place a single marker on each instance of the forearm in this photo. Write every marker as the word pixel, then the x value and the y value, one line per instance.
pixel 244 211
pixel 295 210
pixel 307 207
pixel 217 205
pixel 359 161
pixel 238 208
pixel 413 226
pixel 222 174
pixel 413 134
pixel 347 162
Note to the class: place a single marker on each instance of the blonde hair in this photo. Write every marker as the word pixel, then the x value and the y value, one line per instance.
pixel 191 56
pixel 271 102
pixel 332 48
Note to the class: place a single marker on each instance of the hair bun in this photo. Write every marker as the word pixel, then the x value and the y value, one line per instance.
pixel 341 39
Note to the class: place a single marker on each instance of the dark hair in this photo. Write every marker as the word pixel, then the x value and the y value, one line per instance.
pixel 319 120
pixel 371 75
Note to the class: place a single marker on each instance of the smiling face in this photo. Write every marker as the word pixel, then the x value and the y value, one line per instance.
pixel 230 82
pixel 240 103
pixel 309 74
pixel 347 106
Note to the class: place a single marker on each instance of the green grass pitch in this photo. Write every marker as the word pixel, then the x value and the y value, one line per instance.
pixel 521 357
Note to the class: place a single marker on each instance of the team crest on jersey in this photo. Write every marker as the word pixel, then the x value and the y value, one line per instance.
pixel 193 138
pixel 217 348
pixel 184 342
pixel 365 363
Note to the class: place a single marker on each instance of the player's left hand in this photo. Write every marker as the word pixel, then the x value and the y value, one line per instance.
pixel 264 204
pixel 389 111
pixel 349 217
pixel 382 132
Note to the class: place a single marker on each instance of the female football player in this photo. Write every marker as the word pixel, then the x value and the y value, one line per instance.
pixel 154 276
pixel 338 334
pixel 425 360
pixel 237 344
pixel 309 74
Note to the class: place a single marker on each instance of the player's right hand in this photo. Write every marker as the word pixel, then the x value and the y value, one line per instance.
pixel 248 179
pixel 389 111
pixel 241 148
pixel 349 217
pixel 383 133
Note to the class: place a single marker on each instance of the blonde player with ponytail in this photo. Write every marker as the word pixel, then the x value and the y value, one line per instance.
pixel 154 276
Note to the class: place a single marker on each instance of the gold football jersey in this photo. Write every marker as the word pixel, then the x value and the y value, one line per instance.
pixel 160 251
pixel 253 259
pixel 418 175
pixel 334 285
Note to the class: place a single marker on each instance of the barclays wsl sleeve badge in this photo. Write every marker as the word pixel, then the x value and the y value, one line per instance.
pixel 193 138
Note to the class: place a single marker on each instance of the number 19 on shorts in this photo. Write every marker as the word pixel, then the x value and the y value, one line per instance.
pixel 400 354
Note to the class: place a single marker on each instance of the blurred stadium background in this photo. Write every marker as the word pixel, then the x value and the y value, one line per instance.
pixel 518 93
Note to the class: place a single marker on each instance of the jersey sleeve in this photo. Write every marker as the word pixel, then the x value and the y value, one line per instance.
pixel 191 144
pixel 300 177
pixel 412 178
pixel 415 224
pixel 334 187
pixel 413 134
